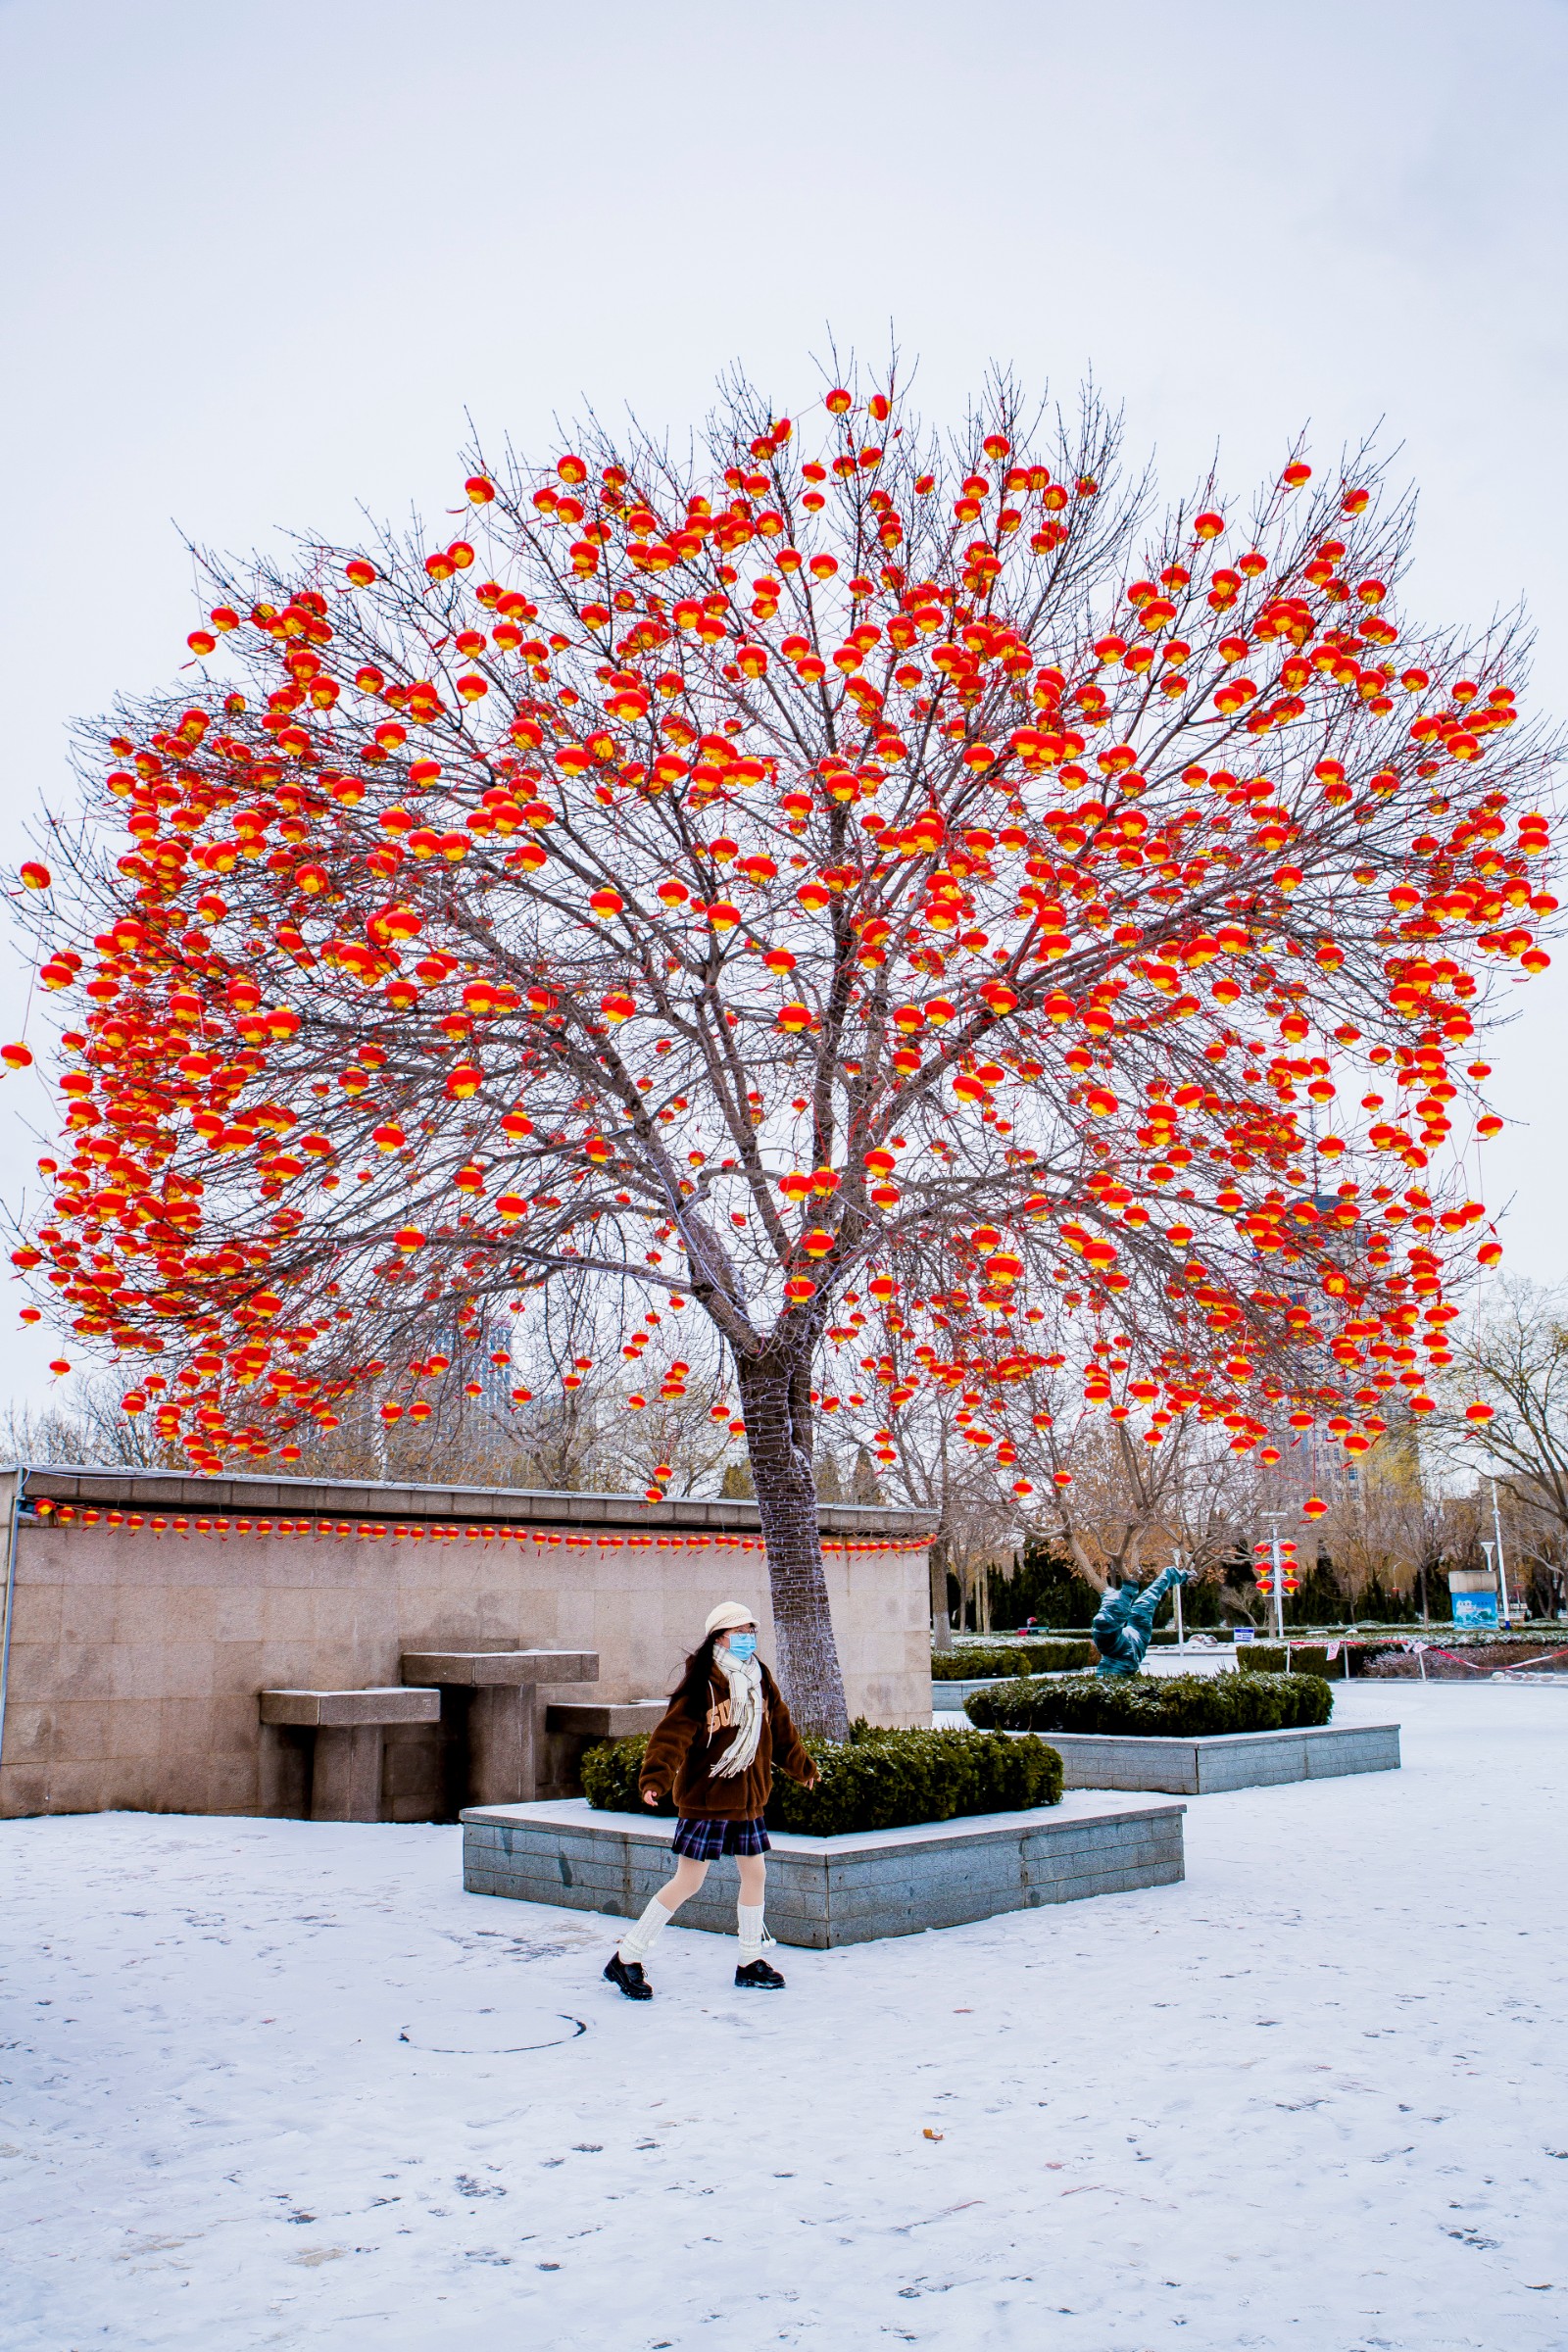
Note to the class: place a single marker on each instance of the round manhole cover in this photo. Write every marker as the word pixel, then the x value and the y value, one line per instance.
pixel 491 2032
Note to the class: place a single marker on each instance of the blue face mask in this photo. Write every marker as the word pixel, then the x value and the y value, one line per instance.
pixel 743 1645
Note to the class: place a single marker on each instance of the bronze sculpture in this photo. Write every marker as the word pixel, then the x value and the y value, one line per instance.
pixel 1125 1621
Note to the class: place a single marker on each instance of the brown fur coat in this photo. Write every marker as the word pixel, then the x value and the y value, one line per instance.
pixel 686 1745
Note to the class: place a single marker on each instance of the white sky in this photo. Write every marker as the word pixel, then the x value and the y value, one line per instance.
pixel 260 261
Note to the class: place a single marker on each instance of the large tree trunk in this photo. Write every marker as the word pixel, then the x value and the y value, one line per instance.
pixel 775 1397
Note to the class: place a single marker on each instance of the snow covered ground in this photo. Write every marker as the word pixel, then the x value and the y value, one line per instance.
pixel 271 2084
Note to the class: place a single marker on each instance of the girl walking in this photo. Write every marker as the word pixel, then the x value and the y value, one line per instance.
pixel 726 1727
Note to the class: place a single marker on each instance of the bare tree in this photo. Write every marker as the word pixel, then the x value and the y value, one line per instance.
pixel 1515 1360
pixel 726 877
pixel 928 1464
pixel 86 1425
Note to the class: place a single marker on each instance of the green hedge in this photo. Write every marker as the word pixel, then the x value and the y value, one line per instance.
pixel 1016 1658
pixel 1311 1657
pixel 1178 1706
pixel 875 1780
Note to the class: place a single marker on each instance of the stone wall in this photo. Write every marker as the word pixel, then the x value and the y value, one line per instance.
pixel 136 1656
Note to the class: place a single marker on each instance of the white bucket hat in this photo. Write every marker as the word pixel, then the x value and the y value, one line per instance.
pixel 727 1615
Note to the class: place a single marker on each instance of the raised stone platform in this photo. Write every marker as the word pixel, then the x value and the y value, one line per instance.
pixel 951 1698
pixel 948 1698
pixel 1225 1760
pixel 823 1891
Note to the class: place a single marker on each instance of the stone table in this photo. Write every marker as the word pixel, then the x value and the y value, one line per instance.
pixel 493 1697
pixel 349 1727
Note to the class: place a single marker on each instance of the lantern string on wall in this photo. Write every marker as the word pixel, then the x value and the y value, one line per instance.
pixel 49 1512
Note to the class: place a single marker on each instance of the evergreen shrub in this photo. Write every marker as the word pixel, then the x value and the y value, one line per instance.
pixel 1017 1657
pixel 1179 1707
pixel 875 1780
pixel 1043 1587
pixel 1310 1657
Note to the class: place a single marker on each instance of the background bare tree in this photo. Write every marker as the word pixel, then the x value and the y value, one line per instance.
pixel 1515 1359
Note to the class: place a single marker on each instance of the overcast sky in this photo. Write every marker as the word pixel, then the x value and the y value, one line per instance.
pixel 260 262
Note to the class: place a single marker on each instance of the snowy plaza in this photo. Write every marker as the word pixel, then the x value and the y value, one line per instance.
pixel 784 1425
pixel 281 2084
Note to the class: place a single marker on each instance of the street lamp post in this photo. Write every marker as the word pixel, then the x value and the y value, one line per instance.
pixel 1502 1572
pixel 1274 1518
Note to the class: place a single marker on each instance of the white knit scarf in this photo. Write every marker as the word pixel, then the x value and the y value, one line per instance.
pixel 746 1709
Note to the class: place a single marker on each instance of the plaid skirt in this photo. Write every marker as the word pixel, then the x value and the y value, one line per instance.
pixel 705 1840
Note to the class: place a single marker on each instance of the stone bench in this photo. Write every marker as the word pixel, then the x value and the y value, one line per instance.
pixel 574 1724
pixel 490 1714
pixel 596 1722
pixel 349 1727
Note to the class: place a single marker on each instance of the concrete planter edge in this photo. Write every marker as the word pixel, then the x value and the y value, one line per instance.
pixel 1220 1761
pixel 827 1891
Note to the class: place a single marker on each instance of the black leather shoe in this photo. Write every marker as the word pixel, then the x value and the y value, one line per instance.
pixel 628 1975
pixel 760 1974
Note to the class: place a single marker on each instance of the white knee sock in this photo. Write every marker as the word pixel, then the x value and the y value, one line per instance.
pixel 645 1932
pixel 749 1917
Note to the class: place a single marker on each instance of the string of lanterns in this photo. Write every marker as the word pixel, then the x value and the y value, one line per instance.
pixel 376 1531
pixel 1263 1566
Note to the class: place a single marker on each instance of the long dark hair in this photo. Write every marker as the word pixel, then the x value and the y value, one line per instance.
pixel 691 1692
pixel 696 1675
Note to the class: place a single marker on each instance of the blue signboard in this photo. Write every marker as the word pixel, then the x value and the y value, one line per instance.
pixel 1475 1608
